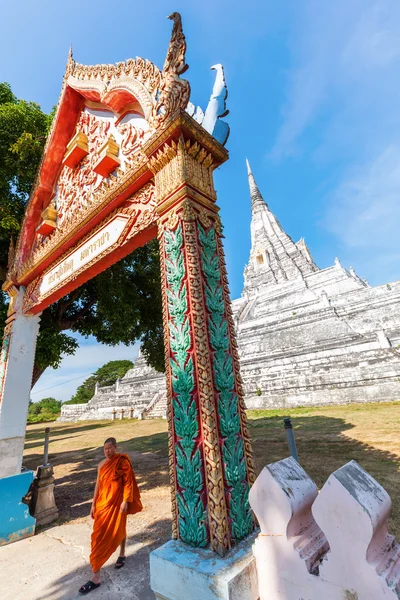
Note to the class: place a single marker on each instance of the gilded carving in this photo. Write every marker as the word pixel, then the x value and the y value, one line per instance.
pixel 251 473
pixel 182 162
pixel 187 211
pixel 217 510
pixel 225 389
pixel 170 223
pixel 141 69
pixel 132 138
pixel 209 446
pixel 205 217
pixel 160 93
pixel 141 210
pixel 32 294
pixel 105 192
pixel 76 186
pixel 193 515
pixel 170 415
pixel 174 92
pixel 193 214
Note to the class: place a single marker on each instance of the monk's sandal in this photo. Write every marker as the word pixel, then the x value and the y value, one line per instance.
pixel 88 587
pixel 120 562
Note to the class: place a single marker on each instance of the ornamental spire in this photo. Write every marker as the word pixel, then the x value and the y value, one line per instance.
pixel 255 194
pixel 174 92
pixel 70 63
pixel 175 60
pixel 274 257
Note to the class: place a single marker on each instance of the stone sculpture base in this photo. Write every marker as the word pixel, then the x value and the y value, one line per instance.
pixel 43 502
pixel 179 572
pixel 15 521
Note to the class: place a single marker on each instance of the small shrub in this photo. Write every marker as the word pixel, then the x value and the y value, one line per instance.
pixel 47 409
pixel 258 392
pixel 43 417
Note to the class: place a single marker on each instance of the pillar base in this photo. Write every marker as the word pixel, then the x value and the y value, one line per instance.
pixel 179 572
pixel 44 504
pixel 15 521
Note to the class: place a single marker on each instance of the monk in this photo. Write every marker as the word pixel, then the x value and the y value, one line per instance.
pixel 116 495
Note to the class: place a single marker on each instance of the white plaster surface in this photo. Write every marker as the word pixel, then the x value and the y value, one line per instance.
pixel 11 450
pixel 334 546
pixel 179 572
pixel 16 390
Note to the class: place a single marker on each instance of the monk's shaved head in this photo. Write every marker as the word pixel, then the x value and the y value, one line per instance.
pixel 112 441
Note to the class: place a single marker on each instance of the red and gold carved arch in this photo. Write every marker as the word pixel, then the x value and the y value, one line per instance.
pixel 94 201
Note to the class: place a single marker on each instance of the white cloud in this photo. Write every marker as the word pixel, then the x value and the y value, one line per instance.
pixel 342 107
pixel 346 61
pixel 365 208
pixel 62 383
pixel 364 212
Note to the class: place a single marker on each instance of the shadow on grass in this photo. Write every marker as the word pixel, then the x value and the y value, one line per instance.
pixel 323 447
pixel 38 434
pixel 74 490
pixel 322 444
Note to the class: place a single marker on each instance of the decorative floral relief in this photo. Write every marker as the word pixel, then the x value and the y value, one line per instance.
pixel 132 138
pixel 192 514
pixel 75 186
pixel 224 379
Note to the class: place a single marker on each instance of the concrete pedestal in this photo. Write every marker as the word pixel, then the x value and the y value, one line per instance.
pixel 43 502
pixel 15 521
pixel 179 572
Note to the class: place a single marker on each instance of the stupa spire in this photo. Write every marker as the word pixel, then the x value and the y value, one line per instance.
pixel 274 257
pixel 255 194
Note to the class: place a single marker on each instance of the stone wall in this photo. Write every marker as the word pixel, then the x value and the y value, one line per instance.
pixel 326 338
pixel 140 387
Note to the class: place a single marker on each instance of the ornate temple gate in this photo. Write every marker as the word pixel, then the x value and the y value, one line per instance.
pixel 125 162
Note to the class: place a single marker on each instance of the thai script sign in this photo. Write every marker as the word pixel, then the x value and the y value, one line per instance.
pixel 83 255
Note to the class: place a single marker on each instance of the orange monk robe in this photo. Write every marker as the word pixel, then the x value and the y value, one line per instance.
pixel 117 483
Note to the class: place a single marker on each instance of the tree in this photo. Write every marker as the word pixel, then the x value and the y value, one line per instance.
pixel 47 409
pixel 105 375
pixel 120 305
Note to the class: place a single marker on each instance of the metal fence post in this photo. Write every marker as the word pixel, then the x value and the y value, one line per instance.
pixel 46 446
pixel 290 438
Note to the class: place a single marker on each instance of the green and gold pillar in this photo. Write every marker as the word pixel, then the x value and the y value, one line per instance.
pixel 210 454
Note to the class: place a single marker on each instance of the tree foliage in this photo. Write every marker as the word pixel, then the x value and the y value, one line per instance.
pixel 120 305
pixel 47 409
pixel 105 375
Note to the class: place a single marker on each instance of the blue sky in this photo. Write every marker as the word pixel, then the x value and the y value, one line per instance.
pixel 314 97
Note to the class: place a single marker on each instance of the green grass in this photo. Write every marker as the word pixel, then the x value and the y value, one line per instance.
pixel 326 438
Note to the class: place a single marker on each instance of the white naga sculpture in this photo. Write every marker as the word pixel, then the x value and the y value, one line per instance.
pixel 211 120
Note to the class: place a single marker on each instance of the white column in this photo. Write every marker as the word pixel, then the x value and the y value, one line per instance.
pixel 16 362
